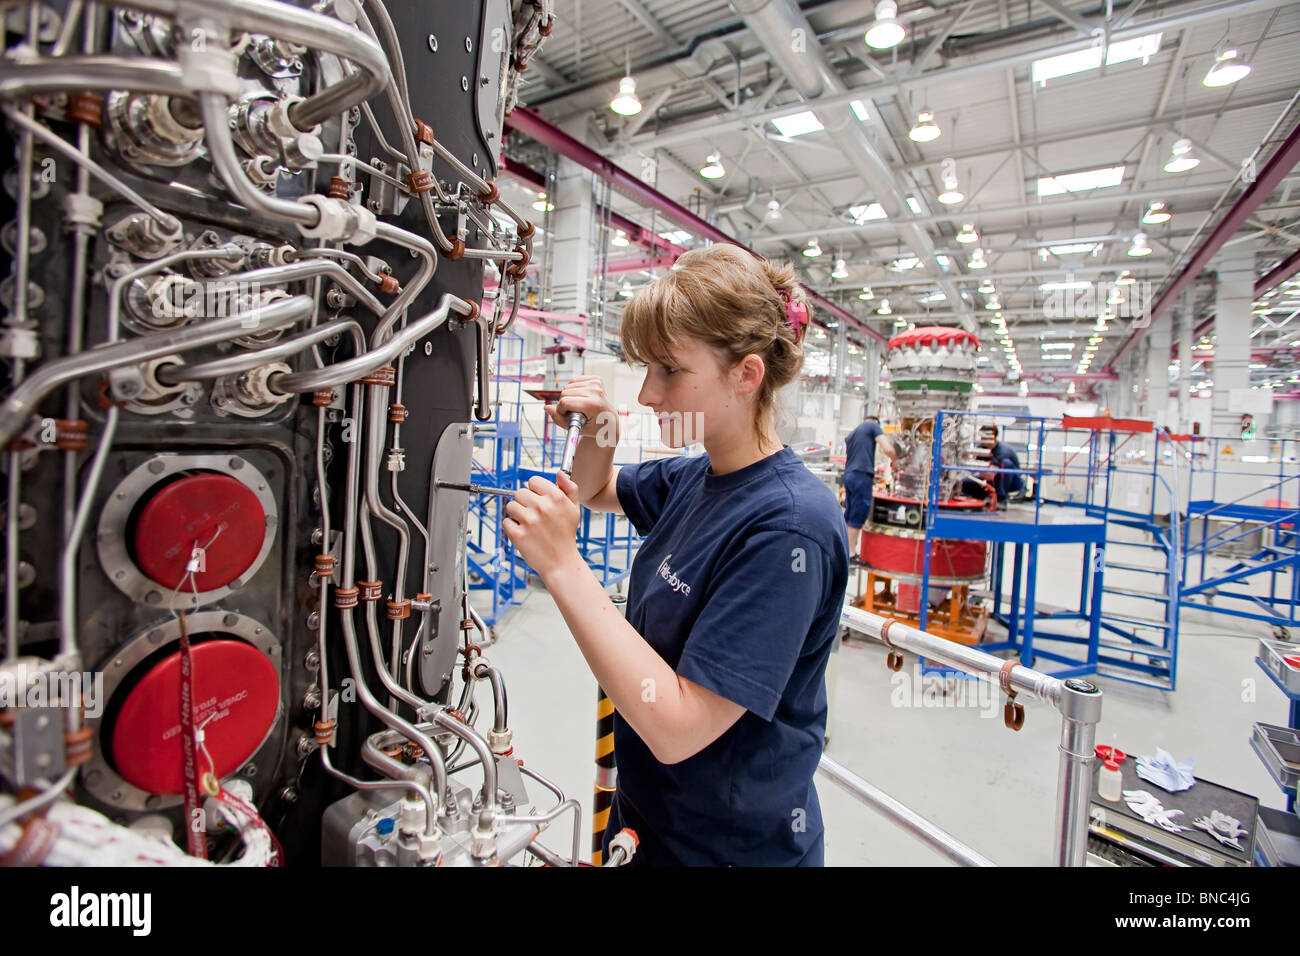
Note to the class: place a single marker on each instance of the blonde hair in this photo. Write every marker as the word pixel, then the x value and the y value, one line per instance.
pixel 731 301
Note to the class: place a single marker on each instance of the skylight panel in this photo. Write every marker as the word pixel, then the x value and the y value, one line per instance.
pixel 798 124
pixel 1081 182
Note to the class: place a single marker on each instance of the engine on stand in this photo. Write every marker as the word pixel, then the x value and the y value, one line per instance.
pixel 245 243
pixel 931 368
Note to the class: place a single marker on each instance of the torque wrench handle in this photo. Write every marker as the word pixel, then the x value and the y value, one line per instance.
pixel 577 421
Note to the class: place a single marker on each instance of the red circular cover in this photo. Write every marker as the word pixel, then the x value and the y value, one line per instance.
pixel 218 513
pixel 948 558
pixel 937 334
pixel 235 698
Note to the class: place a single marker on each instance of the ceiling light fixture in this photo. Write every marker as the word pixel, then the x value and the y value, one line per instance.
pixel 773 211
pixel 884 308
pixel 977 260
pixel 542 204
pixel 620 238
pixel 625 102
pixel 713 168
pixel 1139 247
pixel 1156 213
pixel 1228 68
pixel 987 287
pixel 968 233
pixel 813 249
pixel 951 195
pixel 866 294
pixel 926 130
pixel 841 270
pixel 1182 158
pixel 886 32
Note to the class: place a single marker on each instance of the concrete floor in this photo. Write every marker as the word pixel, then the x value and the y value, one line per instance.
pixel 948 757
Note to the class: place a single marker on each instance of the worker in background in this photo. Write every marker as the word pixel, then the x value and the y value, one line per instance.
pixel 1001 455
pixel 860 476
pixel 717 674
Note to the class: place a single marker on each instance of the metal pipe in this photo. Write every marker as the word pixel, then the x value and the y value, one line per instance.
pixel 936 838
pixel 968 659
pixel 1080 707
pixel 58 144
pixel 221 150
pixel 1079 702
pixel 233 365
pixel 99 72
pixel 370 360
pixel 368 700
pixel 23 400
pixel 499 710
pixel 485 756
pixel 711 127
pixel 307 269
pixel 298 25
pixel 428 265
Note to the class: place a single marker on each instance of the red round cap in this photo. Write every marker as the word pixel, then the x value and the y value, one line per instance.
pixel 935 334
pixel 236 694
pixel 1111 764
pixel 218 513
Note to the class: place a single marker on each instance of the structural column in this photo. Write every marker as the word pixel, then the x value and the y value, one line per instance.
pixel 1156 406
pixel 1186 320
pixel 1232 323
pixel 572 240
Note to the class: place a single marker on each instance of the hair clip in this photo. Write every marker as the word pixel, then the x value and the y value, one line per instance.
pixel 796 315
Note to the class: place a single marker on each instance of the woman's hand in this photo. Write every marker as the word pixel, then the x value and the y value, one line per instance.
pixel 586 394
pixel 542 523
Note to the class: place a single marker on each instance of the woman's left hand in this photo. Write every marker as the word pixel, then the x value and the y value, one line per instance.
pixel 542 522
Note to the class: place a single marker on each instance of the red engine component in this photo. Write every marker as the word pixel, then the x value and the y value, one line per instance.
pixel 214 512
pixel 236 694
pixel 904 555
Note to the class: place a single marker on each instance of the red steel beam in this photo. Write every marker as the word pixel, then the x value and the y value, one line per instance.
pixel 1281 163
pixel 525 121
pixel 1283 271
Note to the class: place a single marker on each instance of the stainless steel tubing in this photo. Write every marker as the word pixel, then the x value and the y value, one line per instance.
pixel 72 546
pixel 905 817
pixel 368 700
pixel 58 144
pixel 485 756
pixel 22 401
pixel 308 269
pixel 368 361
pixel 1024 679
pixel 428 265
pixel 418 776
pixel 233 365
pixel 484 670
pixel 1080 708
pixel 549 857
pixel 289 22
pixel 221 150
pixel 92 72
pixel 482 404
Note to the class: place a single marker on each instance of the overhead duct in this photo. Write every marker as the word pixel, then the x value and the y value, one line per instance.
pixel 773 23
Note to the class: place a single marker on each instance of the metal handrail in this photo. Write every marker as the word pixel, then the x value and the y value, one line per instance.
pixel 1078 701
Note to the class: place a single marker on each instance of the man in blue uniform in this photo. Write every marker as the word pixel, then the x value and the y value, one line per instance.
pixel 860 476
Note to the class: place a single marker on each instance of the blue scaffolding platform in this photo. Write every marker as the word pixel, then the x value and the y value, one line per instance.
pixel 1136 649
pixel 1266 509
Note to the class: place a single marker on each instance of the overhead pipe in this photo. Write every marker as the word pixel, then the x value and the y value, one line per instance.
pixel 524 120
pixel 1281 163
pixel 709 128
pixel 773 23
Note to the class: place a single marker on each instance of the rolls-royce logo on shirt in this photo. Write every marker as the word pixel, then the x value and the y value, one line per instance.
pixel 677 584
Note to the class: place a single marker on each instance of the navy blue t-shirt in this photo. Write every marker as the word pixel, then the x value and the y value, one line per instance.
pixel 860 448
pixel 738 586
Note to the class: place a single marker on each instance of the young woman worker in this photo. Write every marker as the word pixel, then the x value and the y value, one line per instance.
pixel 717 672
